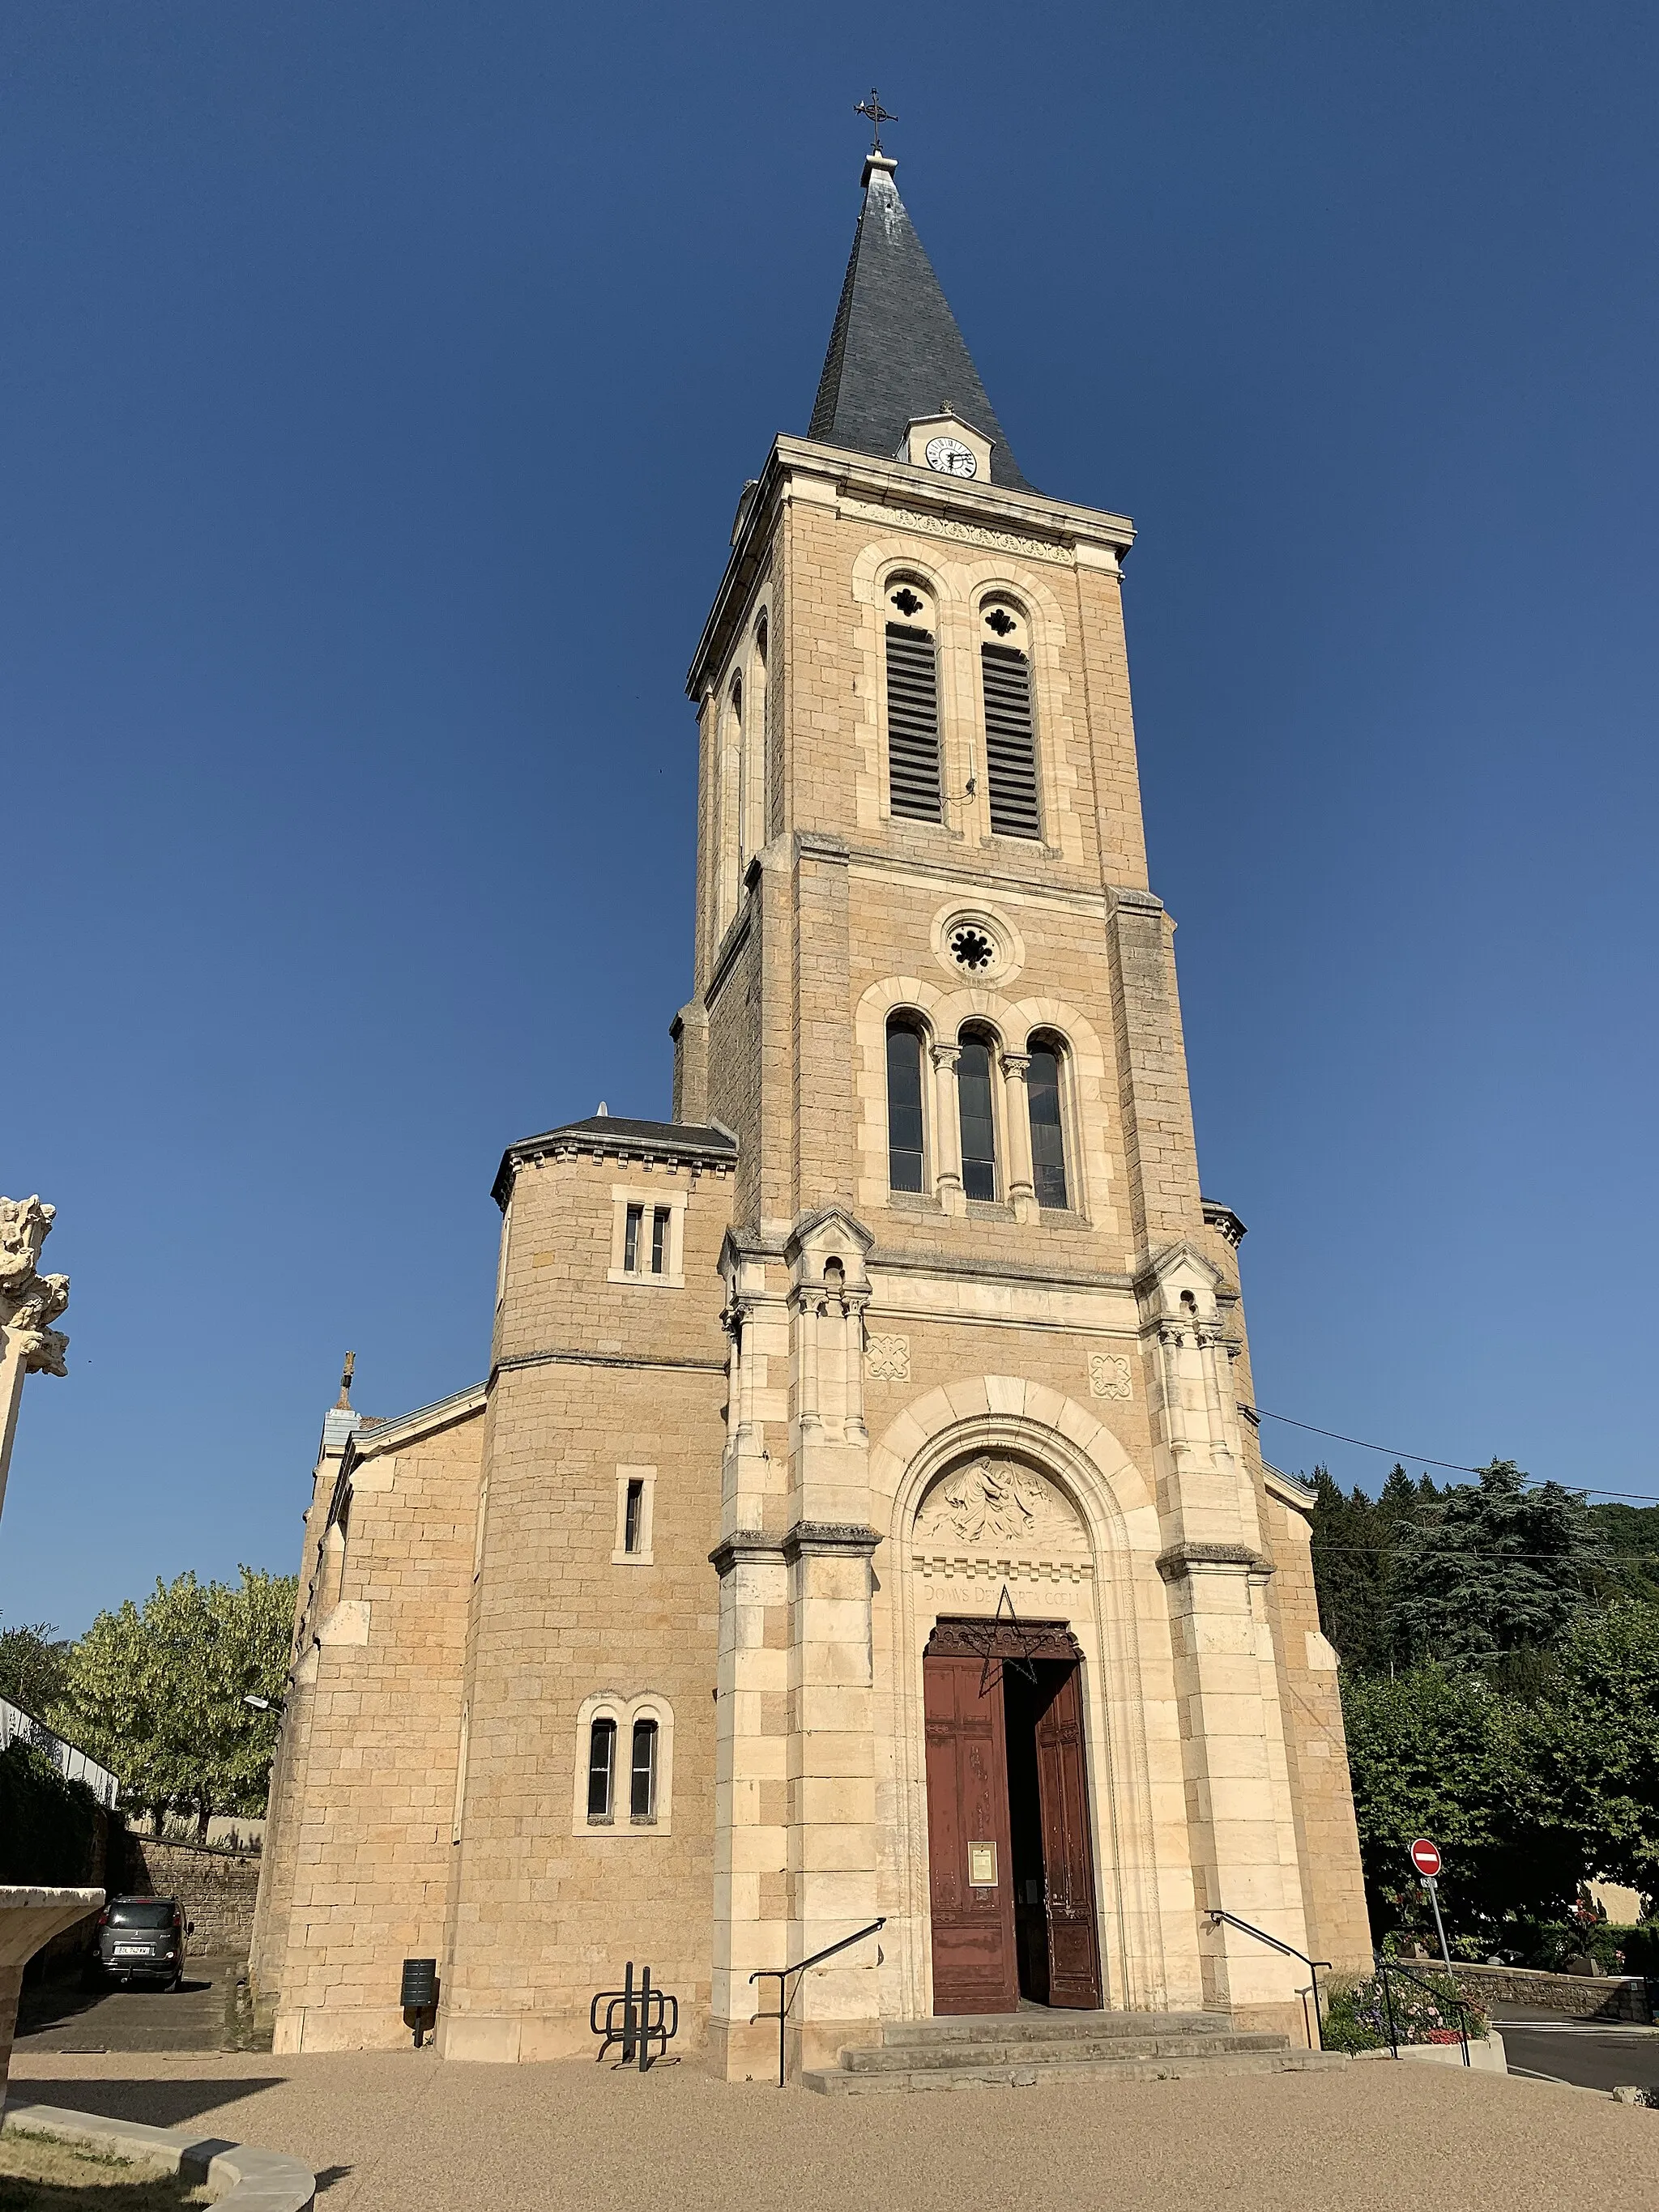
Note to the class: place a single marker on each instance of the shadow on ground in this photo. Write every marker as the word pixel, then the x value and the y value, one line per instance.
pixel 55 2004
pixel 172 2104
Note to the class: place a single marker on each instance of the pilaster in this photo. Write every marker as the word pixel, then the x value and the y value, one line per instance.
pixel 1215 1569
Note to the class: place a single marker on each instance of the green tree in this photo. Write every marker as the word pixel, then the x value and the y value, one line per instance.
pixel 1494 1566
pixel 1438 1751
pixel 1632 1536
pixel 33 1667
pixel 159 1693
pixel 1600 1733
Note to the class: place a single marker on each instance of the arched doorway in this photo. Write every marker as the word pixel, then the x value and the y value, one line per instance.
pixel 1011 1858
pixel 1011 1883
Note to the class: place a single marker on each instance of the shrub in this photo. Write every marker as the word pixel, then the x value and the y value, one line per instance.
pixel 48 1825
pixel 1427 2008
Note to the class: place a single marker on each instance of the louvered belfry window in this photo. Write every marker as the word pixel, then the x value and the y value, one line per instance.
pixel 913 776
pixel 1009 742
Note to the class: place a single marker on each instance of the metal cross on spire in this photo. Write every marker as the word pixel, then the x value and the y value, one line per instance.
pixel 877 115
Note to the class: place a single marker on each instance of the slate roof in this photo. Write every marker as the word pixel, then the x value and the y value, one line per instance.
pixel 684 1140
pixel 896 352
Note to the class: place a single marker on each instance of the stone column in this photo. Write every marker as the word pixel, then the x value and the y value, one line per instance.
pixel 29 1303
pixel 1016 1134
pixel 947 1129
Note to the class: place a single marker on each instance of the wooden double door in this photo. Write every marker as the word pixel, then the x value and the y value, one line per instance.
pixel 1011 1862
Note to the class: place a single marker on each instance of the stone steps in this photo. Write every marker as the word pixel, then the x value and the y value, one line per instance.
pixel 1052 2052
pixel 1039 2023
pixel 1019 2050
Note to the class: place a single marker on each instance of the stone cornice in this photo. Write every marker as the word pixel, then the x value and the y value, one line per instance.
pixel 942 1263
pixel 1180 1560
pixel 811 1540
pixel 601 1359
pixel 743 1546
pixel 824 1538
pixel 895 494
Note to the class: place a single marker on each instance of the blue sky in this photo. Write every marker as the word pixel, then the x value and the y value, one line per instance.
pixel 376 388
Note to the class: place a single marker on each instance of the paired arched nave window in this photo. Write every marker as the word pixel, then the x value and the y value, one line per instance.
pixel 980 1087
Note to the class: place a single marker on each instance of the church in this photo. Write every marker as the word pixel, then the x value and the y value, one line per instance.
pixel 862 1518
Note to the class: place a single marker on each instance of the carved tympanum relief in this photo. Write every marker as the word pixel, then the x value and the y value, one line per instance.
pixel 996 1503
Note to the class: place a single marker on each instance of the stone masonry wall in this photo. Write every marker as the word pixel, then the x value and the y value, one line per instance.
pixel 1581 1997
pixel 598 1378
pixel 215 1888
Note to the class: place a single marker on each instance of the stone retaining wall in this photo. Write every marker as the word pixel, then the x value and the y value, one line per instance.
pixel 216 1888
pixel 1583 1996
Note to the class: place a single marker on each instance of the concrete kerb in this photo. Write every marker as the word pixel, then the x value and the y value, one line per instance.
pixel 243 2178
pixel 1487 2053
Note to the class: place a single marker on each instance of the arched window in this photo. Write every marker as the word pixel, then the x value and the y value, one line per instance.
pixel 979 1133
pixel 759 741
pixel 622 1802
pixel 904 1113
pixel 735 742
pixel 1010 733
pixel 642 1793
pixel 601 1768
pixel 913 787
pixel 1043 1084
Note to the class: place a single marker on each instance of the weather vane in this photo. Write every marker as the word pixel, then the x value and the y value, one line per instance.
pixel 877 115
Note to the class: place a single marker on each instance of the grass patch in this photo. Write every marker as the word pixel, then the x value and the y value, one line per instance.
pixel 39 2173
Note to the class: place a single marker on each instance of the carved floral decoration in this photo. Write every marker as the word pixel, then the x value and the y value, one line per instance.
pixel 1109 1376
pixel 889 1360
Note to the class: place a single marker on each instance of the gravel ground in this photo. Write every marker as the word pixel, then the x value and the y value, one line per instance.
pixel 390 2132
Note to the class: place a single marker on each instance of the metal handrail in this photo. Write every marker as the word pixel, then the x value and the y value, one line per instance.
pixel 1216 1916
pixel 1385 1967
pixel 780 1974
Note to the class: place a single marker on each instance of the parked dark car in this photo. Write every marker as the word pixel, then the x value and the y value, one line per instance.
pixel 140 1938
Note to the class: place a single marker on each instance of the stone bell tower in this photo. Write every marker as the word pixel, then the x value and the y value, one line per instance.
pixel 935 1001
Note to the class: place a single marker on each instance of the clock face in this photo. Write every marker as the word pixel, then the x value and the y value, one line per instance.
pixel 950 458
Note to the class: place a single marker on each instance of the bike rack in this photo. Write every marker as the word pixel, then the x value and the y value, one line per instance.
pixel 647 2015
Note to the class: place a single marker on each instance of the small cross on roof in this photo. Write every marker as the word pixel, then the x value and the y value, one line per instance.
pixel 877 115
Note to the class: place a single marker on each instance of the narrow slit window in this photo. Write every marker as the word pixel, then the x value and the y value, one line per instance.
pixel 631 1228
pixel 1048 1128
pixel 913 766
pixel 979 1138
pixel 633 1515
pixel 642 1796
pixel 601 1768
pixel 659 1219
pixel 1009 742
pixel 904 1121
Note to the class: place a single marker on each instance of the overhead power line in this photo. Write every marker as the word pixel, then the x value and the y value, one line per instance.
pixel 1452 1466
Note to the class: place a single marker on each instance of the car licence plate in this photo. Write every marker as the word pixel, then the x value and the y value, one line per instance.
pixel 133 1951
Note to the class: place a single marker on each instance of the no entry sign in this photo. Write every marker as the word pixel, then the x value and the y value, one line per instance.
pixel 1426 1858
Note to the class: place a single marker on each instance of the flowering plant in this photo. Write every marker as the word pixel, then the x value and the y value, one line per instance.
pixel 1425 2010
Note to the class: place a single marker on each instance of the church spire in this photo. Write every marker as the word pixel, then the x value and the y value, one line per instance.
pixel 895 353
